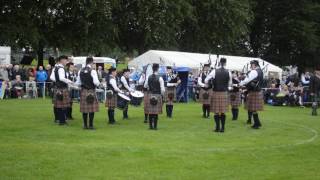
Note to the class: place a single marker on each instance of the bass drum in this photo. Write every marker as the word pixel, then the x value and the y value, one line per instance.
pixel 122 101
pixel 136 98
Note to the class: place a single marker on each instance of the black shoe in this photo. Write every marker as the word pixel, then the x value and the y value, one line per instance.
pixel 248 121
pixel 222 130
pixel 255 127
pixel 145 121
pixel 216 130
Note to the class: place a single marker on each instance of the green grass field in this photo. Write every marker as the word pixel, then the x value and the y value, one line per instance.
pixel 33 147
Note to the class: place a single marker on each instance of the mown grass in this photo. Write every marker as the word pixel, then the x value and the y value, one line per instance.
pixel 33 147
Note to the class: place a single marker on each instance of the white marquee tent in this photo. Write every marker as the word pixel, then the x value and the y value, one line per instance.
pixel 194 61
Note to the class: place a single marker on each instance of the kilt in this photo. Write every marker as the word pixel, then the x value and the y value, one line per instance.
pixel 154 109
pixel 235 102
pixel 219 102
pixel 111 102
pixel 254 101
pixel 201 99
pixel 86 107
pixel 170 90
pixel 145 101
pixel 65 103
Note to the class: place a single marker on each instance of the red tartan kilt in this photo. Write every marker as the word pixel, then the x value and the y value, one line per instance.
pixel 84 106
pixel 204 101
pixel 154 109
pixel 254 101
pixel 145 101
pixel 219 102
pixel 66 99
pixel 235 103
pixel 170 90
pixel 111 102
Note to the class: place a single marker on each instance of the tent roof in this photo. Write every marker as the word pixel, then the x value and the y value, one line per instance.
pixel 193 60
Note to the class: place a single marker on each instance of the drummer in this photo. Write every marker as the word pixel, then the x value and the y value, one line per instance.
pixel 111 95
pixel 124 80
pixel 171 83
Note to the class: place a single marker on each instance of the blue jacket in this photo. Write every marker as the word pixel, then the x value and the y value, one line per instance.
pixel 41 76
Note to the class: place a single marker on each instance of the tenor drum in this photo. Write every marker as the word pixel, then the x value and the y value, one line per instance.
pixel 136 98
pixel 122 101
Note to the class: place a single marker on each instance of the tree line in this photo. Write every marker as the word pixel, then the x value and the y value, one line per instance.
pixel 283 32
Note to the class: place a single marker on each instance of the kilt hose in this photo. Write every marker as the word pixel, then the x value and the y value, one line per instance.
pixel 235 99
pixel 202 99
pixel 85 107
pixel 219 102
pixel 54 95
pixel 154 109
pixel 170 91
pixel 254 101
pixel 111 102
pixel 65 103
pixel 145 101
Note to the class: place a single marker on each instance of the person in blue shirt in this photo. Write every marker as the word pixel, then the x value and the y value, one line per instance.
pixel 41 78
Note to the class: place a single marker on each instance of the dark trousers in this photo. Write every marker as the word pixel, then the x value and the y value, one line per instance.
pixel 61 112
pixel 153 121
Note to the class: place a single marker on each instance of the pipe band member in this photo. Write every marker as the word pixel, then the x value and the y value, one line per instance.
pixel 111 94
pixel 141 84
pixel 62 98
pixel 124 81
pixel 235 96
pixel 222 80
pixel 254 100
pixel 204 95
pixel 72 76
pixel 315 90
pixel 156 89
pixel 88 80
pixel 171 83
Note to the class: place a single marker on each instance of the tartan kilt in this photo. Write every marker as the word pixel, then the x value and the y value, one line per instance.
pixel 170 90
pixel 157 109
pixel 145 101
pixel 201 99
pixel 65 101
pixel 219 102
pixel 235 103
pixel 84 106
pixel 254 101
pixel 111 102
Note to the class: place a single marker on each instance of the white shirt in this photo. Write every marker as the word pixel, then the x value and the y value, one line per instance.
pixel 125 83
pixel 142 79
pixel 113 83
pixel 161 81
pixel 251 76
pixel 94 76
pixel 212 75
pixel 303 79
pixel 200 81
pixel 61 74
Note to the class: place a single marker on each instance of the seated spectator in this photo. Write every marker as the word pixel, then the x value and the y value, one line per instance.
pixel 282 98
pixel 18 87
pixel 31 88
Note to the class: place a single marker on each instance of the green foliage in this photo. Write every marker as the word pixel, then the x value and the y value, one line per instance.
pixel 33 147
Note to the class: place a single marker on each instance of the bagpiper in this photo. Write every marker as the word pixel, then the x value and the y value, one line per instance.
pixel 222 80
pixel 235 96
pixel 171 82
pixel 124 82
pixel 254 100
pixel 156 89
pixel 88 80
pixel 204 95
pixel 111 94
pixel 61 96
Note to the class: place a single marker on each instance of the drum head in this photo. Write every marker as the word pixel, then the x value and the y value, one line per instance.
pixel 123 96
pixel 137 94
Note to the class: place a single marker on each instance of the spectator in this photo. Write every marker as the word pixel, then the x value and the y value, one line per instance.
pixel 41 77
pixel 16 71
pixel 10 71
pixel 18 87
pixel 101 73
pixel 49 83
pixel 190 87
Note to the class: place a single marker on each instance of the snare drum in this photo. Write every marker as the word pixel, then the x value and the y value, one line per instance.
pixel 122 101
pixel 136 98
